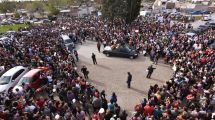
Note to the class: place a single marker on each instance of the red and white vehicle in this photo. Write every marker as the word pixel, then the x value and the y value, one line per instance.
pixel 32 79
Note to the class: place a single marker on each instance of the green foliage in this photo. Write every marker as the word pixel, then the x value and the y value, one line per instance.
pixel 63 3
pixel 126 9
pixel 113 8
pixel 17 15
pixel 7 6
pixel 35 6
pixel 133 8
pixel 16 27
pixel 53 10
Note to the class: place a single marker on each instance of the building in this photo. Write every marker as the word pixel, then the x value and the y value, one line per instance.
pixel 164 4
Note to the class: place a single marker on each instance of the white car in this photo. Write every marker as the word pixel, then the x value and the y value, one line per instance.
pixel 68 42
pixel 2 69
pixel 10 78
pixel 207 17
pixel 190 34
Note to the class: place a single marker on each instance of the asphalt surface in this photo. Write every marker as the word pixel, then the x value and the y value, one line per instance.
pixel 197 23
pixel 110 74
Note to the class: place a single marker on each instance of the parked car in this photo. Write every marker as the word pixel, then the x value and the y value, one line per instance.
pixel 2 69
pixel 196 31
pixel 45 21
pixel 191 34
pixel 203 28
pixel 10 78
pixel 32 79
pixel 206 18
pixel 5 40
pixel 212 25
pixel 196 12
pixel 122 51
pixel 68 42
pixel 206 12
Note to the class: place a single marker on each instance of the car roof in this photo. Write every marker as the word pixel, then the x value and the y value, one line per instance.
pixel 203 25
pixel 65 37
pixel 32 72
pixel 13 70
pixel 190 34
pixel 5 38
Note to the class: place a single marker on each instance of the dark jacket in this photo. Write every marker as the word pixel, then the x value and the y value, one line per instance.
pixel 129 78
pixel 151 69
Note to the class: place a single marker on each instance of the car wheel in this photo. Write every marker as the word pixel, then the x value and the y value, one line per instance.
pixel 131 57
pixel 107 54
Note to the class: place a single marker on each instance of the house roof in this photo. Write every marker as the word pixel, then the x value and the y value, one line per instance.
pixel 211 8
pixel 170 5
pixel 201 7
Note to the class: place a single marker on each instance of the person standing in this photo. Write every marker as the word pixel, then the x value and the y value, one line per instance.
pixel 76 55
pixel 85 72
pixel 113 98
pixel 98 46
pixel 104 43
pixel 150 71
pixel 94 58
pixel 129 79
pixel 156 57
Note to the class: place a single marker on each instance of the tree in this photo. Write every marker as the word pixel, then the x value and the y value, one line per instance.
pixel 133 8
pixel 16 15
pixel 35 6
pixel 126 9
pixel 7 6
pixel 53 10
pixel 59 3
pixel 113 8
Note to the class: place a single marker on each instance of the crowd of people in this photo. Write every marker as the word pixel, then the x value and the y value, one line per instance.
pixel 189 94
pixel 67 95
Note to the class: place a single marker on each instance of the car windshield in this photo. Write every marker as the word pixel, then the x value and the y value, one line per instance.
pixel 4 80
pixel 127 48
pixel 201 26
pixel 24 80
pixel 68 41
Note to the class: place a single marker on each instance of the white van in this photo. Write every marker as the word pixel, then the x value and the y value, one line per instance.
pixel 145 13
pixel 5 40
pixel 206 18
pixel 68 42
pixel 10 78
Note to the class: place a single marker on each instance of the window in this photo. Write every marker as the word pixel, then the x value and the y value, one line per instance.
pixel 35 77
pixel 124 50
pixel 68 41
pixel 24 80
pixel 4 80
pixel 163 3
pixel 17 74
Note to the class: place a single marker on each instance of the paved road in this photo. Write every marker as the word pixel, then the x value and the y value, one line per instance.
pixel 197 23
pixel 111 74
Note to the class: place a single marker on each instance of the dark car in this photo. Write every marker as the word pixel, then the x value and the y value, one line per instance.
pixel 206 12
pixel 203 28
pixel 196 13
pixel 212 25
pixel 196 31
pixel 121 52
